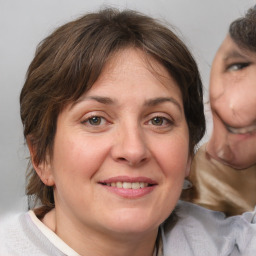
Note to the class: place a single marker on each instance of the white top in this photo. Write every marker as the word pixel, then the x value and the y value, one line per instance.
pixel 55 240
pixel 198 232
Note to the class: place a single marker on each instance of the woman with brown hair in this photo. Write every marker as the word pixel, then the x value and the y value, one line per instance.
pixel 112 110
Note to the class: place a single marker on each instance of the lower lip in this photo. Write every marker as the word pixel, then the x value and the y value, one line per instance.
pixel 130 193
pixel 244 136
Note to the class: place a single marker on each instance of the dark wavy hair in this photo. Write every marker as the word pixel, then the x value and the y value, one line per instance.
pixel 243 30
pixel 69 61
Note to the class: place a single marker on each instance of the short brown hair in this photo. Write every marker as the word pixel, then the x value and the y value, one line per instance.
pixel 243 30
pixel 69 61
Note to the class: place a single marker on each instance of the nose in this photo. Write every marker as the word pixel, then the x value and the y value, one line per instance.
pixel 130 146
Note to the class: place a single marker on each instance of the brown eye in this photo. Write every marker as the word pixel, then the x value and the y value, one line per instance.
pixel 157 120
pixel 95 120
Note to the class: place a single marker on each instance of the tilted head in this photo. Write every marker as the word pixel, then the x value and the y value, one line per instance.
pixel 233 95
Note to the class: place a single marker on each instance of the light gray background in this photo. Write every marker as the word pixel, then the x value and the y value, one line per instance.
pixel 23 23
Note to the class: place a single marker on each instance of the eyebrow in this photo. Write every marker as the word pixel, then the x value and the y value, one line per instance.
pixel 149 103
pixel 102 100
pixel 234 54
pixel 160 100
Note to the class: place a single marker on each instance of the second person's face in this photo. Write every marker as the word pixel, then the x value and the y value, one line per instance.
pixel 233 103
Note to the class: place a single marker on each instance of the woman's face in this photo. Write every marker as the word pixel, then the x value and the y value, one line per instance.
pixel 121 151
pixel 233 103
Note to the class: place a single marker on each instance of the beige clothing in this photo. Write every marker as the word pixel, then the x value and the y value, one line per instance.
pixel 220 187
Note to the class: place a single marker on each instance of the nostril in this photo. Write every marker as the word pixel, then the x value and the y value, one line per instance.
pixel 122 159
pixel 132 162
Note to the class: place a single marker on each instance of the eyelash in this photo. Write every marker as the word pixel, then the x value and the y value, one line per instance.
pixel 96 121
pixel 238 66
pixel 166 121
pixel 89 120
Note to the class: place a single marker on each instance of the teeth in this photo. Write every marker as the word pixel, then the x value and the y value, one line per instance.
pixel 135 185
pixel 128 185
pixel 118 184
pixel 242 130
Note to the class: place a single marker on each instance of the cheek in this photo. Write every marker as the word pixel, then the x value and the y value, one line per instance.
pixel 218 125
pixel 78 156
pixel 219 136
pixel 216 85
pixel 172 156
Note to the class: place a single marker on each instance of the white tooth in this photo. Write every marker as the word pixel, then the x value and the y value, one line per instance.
pixel 242 130
pixel 142 185
pixel 135 185
pixel 113 184
pixel 127 185
pixel 119 184
pixel 252 128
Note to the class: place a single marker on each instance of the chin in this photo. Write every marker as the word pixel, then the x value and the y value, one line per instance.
pixel 133 223
pixel 134 229
pixel 241 166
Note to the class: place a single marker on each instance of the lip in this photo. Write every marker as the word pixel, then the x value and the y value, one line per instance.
pixel 244 130
pixel 250 129
pixel 129 179
pixel 129 193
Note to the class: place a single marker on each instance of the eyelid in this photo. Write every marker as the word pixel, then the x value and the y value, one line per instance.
pixel 164 118
pixel 237 66
pixel 85 119
pixel 169 119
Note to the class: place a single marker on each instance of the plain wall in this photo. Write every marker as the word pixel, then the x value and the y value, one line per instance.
pixel 201 23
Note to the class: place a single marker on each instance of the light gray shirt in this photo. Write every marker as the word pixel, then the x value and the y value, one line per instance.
pixel 198 232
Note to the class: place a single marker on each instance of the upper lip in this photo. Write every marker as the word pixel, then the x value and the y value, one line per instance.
pixel 129 179
pixel 241 130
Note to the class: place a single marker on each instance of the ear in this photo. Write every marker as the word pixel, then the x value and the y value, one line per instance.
pixel 188 167
pixel 43 169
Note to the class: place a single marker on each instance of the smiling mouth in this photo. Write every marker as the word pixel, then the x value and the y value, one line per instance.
pixel 243 130
pixel 128 185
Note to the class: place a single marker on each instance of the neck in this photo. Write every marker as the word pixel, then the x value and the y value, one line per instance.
pixel 90 241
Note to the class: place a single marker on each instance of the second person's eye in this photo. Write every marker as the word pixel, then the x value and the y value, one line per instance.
pixel 238 66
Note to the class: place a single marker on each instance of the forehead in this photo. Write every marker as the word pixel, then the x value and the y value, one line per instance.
pixel 132 74
pixel 134 58
pixel 136 66
pixel 230 50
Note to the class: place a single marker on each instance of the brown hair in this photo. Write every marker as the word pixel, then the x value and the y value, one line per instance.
pixel 243 30
pixel 69 61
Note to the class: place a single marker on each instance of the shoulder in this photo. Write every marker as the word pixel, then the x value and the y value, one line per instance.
pixel 199 231
pixel 19 236
pixel 245 230
pixel 11 232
